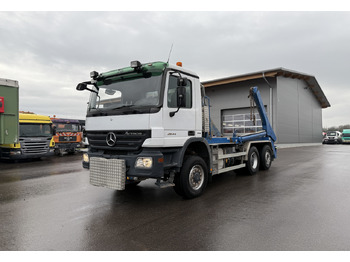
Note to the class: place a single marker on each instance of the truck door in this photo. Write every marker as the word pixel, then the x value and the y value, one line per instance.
pixel 181 126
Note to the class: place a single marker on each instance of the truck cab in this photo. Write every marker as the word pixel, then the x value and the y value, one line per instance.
pixel 35 138
pixel 346 136
pixel 152 121
pixel 132 117
pixel 68 135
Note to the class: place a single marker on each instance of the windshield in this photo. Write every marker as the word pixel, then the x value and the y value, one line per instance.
pixel 331 134
pixel 66 127
pixel 346 134
pixel 35 130
pixel 139 92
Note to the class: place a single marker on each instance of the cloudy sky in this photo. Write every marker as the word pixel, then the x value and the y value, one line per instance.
pixel 50 52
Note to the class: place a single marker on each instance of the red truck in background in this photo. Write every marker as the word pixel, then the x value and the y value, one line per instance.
pixel 68 136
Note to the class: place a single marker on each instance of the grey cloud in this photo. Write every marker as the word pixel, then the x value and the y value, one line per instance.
pixel 50 52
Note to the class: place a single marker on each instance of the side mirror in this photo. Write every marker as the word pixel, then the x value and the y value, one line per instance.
pixel 81 87
pixel 54 131
pixel 181 96
pixel 182 81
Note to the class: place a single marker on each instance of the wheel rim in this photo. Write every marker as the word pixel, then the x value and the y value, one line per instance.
pixel 268 158
pixel 254 160
pixel 196 177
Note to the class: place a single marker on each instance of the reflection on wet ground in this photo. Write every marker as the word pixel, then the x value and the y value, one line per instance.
pixel 301 203
pixel 11 171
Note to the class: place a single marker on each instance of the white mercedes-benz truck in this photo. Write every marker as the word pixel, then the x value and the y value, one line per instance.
pixel 152 121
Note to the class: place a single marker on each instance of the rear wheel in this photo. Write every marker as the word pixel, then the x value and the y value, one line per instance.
pixel 193 177
pixel 253 162
pixel 265 157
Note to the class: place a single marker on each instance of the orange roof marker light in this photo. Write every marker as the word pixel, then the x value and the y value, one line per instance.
pixel 179 64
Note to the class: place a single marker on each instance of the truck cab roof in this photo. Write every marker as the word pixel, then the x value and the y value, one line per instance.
pixel 34 118
pixel 152 68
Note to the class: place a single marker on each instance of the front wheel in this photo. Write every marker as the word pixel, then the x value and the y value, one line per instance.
pixel 193 177
pixel 71 151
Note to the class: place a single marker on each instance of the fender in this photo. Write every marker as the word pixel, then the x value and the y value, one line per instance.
pixel 248 144
pixel 199 143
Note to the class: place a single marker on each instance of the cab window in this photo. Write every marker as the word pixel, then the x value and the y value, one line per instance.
pixel 172 93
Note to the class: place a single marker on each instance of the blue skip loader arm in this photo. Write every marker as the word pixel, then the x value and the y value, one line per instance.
pixel 266 134
pixel 264 119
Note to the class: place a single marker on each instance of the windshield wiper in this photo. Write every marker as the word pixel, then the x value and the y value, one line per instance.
pixel 133 110
pixel 123 106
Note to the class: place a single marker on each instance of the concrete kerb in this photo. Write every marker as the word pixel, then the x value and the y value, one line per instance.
pixel 280 146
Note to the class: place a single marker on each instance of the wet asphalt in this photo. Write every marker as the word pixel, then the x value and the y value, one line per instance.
pixel 301 203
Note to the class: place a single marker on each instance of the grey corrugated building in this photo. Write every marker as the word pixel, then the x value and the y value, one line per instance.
pixel 293 101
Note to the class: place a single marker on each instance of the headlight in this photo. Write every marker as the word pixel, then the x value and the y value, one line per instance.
pixel 143 162
pixel 15 152
pixel 86 158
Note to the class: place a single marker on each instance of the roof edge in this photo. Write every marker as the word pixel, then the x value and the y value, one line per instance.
pixel 309 79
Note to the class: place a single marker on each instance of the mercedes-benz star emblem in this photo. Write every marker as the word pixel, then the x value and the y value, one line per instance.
pixel 111 139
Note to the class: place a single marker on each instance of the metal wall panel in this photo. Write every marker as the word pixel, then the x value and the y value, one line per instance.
pixel 299 115
pixel 287 111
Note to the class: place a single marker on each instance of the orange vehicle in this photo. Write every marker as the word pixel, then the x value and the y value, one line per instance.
pixel 68 135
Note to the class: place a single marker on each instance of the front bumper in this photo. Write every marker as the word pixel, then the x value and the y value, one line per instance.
pixel 156 171
pixel 17 154
pixel 330 141
pixel 66 145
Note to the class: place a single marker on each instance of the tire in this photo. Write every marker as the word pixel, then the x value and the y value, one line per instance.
pixel 71 151
pixel 193 177
pixel 265 157
pixel 253 162
pixel 178 188
pixel 59 151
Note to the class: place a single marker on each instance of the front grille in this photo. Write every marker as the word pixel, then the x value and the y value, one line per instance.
pixel 130 140
pixel 35 147
pixel 67 139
